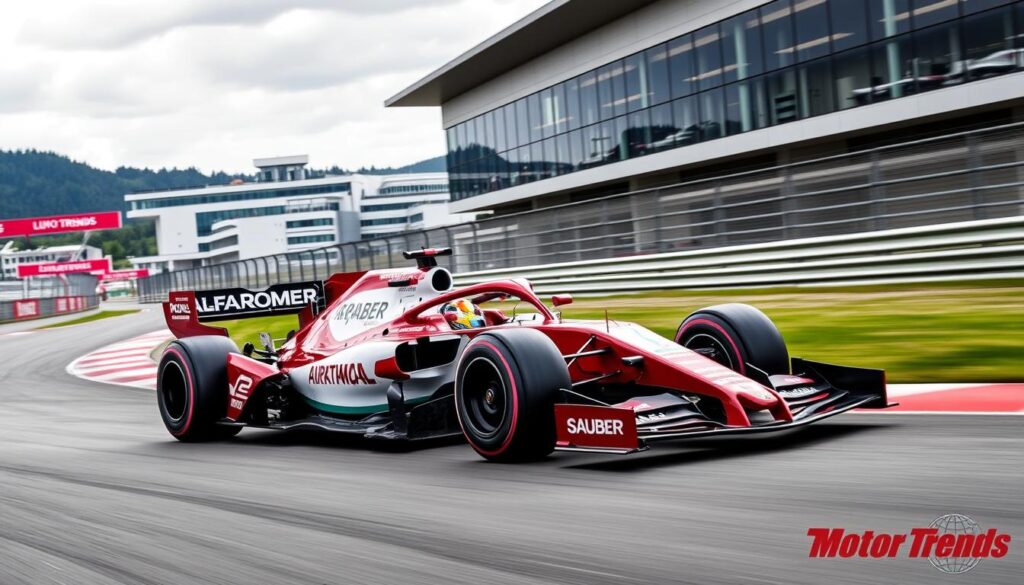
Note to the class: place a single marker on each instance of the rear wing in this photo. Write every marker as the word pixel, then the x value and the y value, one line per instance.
pixel 185 311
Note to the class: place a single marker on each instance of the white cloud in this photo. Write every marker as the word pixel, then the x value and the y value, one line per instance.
pixel 215 84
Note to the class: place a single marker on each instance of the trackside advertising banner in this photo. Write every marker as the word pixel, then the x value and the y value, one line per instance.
pixel 58 224
pixel 125 274
pixel 280 299
pixel 27 309
pixel 101 265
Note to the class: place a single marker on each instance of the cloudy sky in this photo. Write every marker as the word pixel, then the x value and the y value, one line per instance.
pixel 216 83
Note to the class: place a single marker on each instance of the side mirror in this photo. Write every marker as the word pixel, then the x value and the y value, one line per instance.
pixel 559 300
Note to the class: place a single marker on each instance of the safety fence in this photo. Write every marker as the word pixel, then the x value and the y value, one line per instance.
pixel 985 249
pixel 42 287
pixel 962 177
pixel 24 309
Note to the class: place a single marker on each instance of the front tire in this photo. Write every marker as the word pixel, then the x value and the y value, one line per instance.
pixel 192 388
pixel 506 386
pixel 736 335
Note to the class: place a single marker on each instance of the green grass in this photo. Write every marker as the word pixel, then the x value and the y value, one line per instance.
pixel 90 318
pixel 962 332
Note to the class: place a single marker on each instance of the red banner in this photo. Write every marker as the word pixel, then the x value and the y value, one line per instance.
pixel 125 274
pixel 58 224
pixel 28 309
pixel 53 268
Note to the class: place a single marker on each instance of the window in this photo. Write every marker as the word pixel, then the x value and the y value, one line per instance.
pixel 636 82
pixel 500 143
pixel 510 125
pixel 663 127
pixel 849 23
pixel 416 218
pixel 812 36
pixel 247 195
pixel 589 111
pixel 890 61
pixel 304 223
pixel 684 113
pixel 777 25
pixel 888 17
pixel 939 59
pixel 522 122
pixel 816 88
pixel 535 118
pixel 548 113
pixel 368 223
pixel 709 57
pixel 681 66
pixel 712 114
pixel 852 78
pixel 638 133
pixel 782 102
pixel 572 104
pixel 322 238
pixel 658 87
pixel 741 47
pixel 606 78
pixel 987 39
pixel 745 106
pixel 559 109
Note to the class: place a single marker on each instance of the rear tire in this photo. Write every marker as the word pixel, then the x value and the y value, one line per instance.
pixel 506 386
pixel 735 335
pixel 192 388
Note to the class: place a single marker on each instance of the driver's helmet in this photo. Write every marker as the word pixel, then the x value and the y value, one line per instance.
pixel 463 314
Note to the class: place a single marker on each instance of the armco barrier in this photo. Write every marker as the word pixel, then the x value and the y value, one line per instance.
pixel 966 250
pixel 24 309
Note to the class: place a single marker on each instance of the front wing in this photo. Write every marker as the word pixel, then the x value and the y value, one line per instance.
pixel 827 390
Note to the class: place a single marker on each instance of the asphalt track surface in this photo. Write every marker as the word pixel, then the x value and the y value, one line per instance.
pixel 93 490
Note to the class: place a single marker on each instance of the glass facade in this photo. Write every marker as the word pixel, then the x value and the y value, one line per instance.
pixel 784 61
pixel 240 196
pixel 206 219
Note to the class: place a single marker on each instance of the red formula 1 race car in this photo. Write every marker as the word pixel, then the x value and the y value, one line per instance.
pixel 401 354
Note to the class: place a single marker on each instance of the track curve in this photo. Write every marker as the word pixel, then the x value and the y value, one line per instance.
pixel 93 490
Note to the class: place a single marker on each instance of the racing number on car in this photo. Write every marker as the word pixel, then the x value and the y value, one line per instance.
pixel 239 391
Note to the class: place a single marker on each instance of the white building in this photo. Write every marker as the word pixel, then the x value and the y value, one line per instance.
pixel 285 212
pixel 11 257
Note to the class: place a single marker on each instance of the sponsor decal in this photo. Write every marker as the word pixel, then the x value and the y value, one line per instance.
pixel 37 226
pixel 797 392
pixel 599 427
pixel 26 309
pixel 239 391
pixel 337 374
pixel 362 311
pixel 279 299
pixel 953 543
pixel 594 426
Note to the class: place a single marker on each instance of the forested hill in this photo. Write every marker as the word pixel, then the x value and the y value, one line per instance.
pixel 34 183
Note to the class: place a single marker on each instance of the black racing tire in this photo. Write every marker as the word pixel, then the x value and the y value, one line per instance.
pixel 192 388
pixel 735 335
pixel 506 386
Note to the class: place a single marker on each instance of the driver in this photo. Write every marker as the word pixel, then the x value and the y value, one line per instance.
pixel 463 314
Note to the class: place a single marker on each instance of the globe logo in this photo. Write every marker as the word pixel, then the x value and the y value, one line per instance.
pixel 954 524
